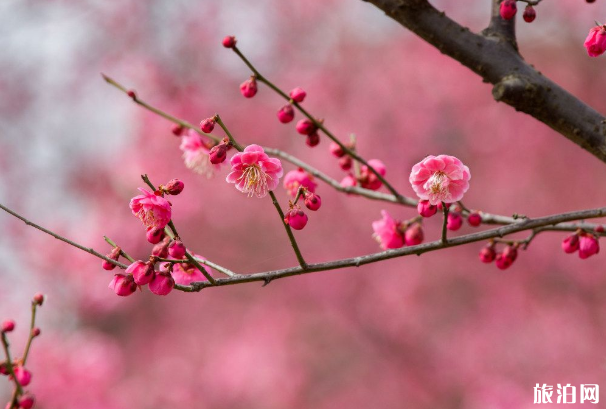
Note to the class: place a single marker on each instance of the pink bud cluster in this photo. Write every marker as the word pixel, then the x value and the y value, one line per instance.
pixel 299 183
pixel 393 234
pixel 366 177
pixel 508 10
pixel 585 243
pixel 504 259
pixel 141 273
pixel 16 370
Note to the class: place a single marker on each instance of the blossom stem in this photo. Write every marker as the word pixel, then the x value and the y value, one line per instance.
pixel 231 138
pixel 31 332
pixel 10 366
pixel 205 262
pixel 444 222
pixel 300 191
pixel 318 124
pixel 291 237
pixel 122 252
pixel 159 112
pixel 63 239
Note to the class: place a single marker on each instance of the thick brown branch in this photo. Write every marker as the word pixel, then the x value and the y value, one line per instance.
pixel 493 56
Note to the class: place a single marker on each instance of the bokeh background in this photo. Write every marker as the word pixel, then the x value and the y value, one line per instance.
pixel 438 331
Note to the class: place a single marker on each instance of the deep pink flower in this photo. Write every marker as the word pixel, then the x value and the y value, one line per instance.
pixel 454 221
pixel 196 154
pixel 588 246
pixel 254 172
pixel 570 244
pixel 312 201
pixel 440 178
pixel 336 150
pixel 154 211
pixel 298 94
pixel 425 209
pixel 123 285
pixel 114 255
pixel 508 9
pixel 218 153
pixel 296 218
pixel 596 41
pixel 474 219
pixel 8 326
pixel 286 114
pixel 26 401
pixel 162 283
pixel 186 273
pixel 249 88
pixel 176 249
pixel 414 234
pixel 306 127
pixel 22 375
pixel 297 178
pixel 387 232
pixel 488 254
pixel 142 272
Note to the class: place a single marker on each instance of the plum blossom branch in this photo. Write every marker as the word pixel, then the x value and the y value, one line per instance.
pixel 516 82
pixel 157 111
pixel 444 239
pixel 10 367
pixel 522 225
pixel 318 124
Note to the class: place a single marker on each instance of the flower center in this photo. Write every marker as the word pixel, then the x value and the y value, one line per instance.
pixel 147 217
pixel 436 184
pixel 255 181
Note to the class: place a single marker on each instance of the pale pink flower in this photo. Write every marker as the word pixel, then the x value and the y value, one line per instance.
pixel 596 41
pixel 154 211
pixel 441 178
pixel 296 178
pixel 387 232
pixel 254 172
pixel 186 273
pixel 196 155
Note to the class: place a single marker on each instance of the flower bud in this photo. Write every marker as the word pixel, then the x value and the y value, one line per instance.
pixel 296 219
pixel 35 332
pixel 174 187
pixel 141 272
pixel 488 254
pixel 176 249
pixel 529 14
pixel 161 249
pixel 508 9
pixel 599 229
pixel 22 375
pixel 207 125
pixel 414 234
pixel 177 129
pixel 8 326
pixel 286 114
pixel 306 127
pixel 349 181
pixel 297 94
pixel 506 258
pixel 131 93
pixel 249 87
pixel 218 153
pixel 336 150
pixel 4 369
pixel 570 244
pixel 229 42
pixel 345 162
pixel 123 285
pixel 313 139
pixel 26 401
pixel 39 299
pixel 312 201
pixel 454 221
pixel 426 209
pixel 588 246
pixel 155 235
pixel 162 284
pixel 114 255
pixel 474 219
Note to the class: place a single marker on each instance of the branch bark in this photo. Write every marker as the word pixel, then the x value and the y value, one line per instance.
pixel 493 55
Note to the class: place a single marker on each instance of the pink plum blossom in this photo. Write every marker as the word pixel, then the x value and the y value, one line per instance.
pixel 454 221
pixel 142 272
pixel 196 154
pixel 296 178
pixel 176 249
pixel 162 283
pixel 286 114
pixel 298 94
pixel 474 219
pixel 248 88
pixel 414 234
pixel 441 178
pixel 312 201
pixel 123 285
pixel 114 255
pixel 425 209
pixel 255 173
pixel 296 218
pixel 387 232
pixel 508 9
pixel 596 41
pixel 154 211
pixel 22 375
pixel 186 273
pixel 488 254
pixel 368 179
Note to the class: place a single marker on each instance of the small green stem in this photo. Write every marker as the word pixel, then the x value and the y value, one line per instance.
pixel 299 194
pixel 31 332
pixel 122 252
pixel 231 138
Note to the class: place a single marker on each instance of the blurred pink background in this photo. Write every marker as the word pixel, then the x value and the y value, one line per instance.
pixel 438 331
